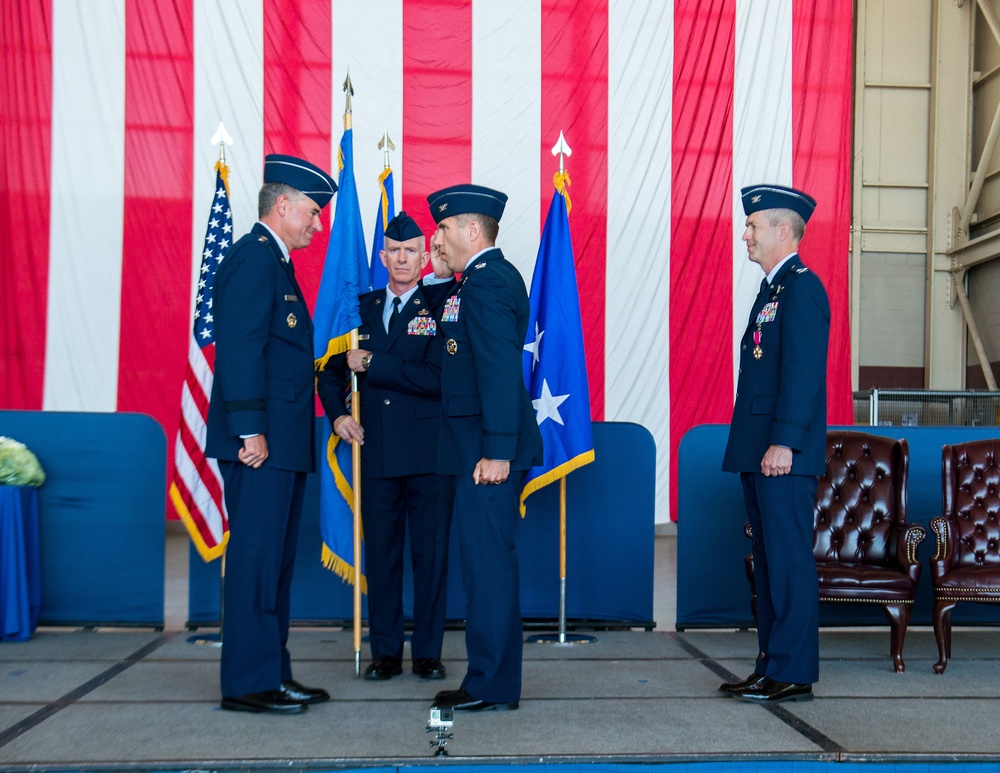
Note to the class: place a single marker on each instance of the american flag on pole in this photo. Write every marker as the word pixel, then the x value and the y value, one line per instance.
pixel 196 488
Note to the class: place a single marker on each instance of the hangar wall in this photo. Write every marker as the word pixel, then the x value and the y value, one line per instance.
pixel 926 220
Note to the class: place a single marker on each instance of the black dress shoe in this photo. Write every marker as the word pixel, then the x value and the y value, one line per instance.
pixel 461 700
pixel 736 688
pixel 271 701
pixel 429 668
pixel 302 694
pixel 383 668
pixel 770 691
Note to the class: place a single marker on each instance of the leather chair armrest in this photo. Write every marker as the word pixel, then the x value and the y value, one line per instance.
pixel 908 539
pixel 944 558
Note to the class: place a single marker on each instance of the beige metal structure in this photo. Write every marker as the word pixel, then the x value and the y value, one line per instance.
pixel 926 221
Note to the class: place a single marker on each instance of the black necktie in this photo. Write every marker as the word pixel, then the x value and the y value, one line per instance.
pixel 394 314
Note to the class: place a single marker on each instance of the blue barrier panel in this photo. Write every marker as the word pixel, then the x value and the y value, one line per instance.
pixel 102 511
pixel 610 530
pixel 712 588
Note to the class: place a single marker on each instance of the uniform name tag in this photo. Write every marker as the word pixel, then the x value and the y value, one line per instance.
pixel 293 298
pixel 450 313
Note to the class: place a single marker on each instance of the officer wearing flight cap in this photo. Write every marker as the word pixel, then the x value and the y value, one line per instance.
pixel 488 439
pixel 399 380
pixel 260 428
pixel 777 442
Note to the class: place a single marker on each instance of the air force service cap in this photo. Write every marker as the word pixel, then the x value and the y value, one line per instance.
pixel 465 200
pixel 758 197
pixel 403 228
pixel 301 175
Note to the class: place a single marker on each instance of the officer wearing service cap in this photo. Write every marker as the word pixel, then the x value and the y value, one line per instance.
pixel 399 381
pixel 260 428
pixel 777 442
pixel 488 438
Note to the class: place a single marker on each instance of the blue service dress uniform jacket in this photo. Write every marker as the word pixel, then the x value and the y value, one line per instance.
pixel 263 385
pixel 781 400
pixel 487 413
pixel 400 412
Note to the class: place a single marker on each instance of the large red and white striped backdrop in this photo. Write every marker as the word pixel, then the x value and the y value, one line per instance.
pixel 669 109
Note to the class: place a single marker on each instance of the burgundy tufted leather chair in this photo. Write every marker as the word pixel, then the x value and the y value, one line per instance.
pixel 966 561
pixel 865 551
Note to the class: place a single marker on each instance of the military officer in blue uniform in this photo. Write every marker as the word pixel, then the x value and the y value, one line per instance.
pixel 260 428
pixel 399 381
pixel 777 442
pixel 488 439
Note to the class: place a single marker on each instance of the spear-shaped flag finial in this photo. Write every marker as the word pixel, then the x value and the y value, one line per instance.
pixel 385 145
pixel 562 150
pixel 222 138
pixel 349 92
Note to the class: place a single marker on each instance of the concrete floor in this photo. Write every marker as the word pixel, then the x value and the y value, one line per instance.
pixel 145 700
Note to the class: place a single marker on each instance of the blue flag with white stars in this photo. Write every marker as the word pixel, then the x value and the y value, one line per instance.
pixel 555 370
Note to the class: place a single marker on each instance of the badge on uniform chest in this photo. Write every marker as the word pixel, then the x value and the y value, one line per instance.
pixel 450 313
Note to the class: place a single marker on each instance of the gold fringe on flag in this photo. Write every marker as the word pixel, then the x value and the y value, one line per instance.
pixel 555 474
pixel 343 569
pixel 562 183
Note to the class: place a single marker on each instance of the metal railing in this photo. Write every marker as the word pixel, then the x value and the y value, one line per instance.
pixel 925 408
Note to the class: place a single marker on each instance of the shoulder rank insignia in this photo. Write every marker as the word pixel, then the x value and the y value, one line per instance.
pixel 262 238
pixel 480 265
pixel 801 270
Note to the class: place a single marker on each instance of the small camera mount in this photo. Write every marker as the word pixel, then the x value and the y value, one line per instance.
pixel 441 720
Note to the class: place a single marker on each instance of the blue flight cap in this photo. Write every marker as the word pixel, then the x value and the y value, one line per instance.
pixel 403 228
pixel 301 175
pixel 758 197
pixel 465 200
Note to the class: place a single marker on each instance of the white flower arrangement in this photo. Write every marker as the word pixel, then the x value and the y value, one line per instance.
pixel 18 466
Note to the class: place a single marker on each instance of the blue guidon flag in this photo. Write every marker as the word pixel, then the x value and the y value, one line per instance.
pixel 555 370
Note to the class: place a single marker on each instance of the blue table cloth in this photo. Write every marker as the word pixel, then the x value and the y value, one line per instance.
pixel 20 572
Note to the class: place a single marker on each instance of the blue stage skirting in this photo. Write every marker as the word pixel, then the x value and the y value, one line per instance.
pixel 712 588
pixel 20 575
pixel 101 514
pixel 610 532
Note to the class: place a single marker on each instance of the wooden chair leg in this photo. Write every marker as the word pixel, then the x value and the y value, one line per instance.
pixel 899 619
pixel 942 632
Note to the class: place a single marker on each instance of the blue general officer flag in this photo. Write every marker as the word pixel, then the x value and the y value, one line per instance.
pixel 386 212
pixel 555 370
pixel 346 275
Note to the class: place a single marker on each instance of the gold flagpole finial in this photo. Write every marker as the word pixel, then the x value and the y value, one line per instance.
pixel 222 138
pixel 562 150
pixel 349 92
pixel 385 145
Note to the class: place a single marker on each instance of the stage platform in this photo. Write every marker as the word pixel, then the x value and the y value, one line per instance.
pixel 143 700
